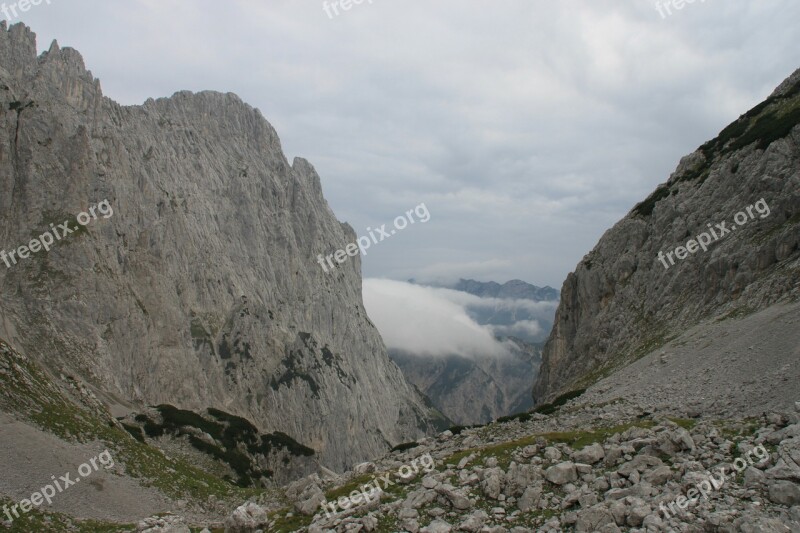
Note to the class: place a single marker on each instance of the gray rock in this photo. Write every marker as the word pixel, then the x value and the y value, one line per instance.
pixel 530 498
pixel 437 526
pixel 418 498
pixel 759 524
pixel 561 473
pixel 163 524
pixel 594 519
pixel 246 519
pixel 529 451
pixel 753 477
pixel 784 493
pixel 411 525
pixel 590 454
pixel 519 477
pixel 457 499
pixel 370 523
pixel 638 513
pixel 659 476
pixel 474 522
pixel 493 482
pixel 552 454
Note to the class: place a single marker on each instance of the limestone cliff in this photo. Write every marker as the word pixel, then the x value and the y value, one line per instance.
pixel 202 290
pixel 623 300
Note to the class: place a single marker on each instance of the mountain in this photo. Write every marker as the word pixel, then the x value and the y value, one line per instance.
pixel 199 287
pixel 474 390
pixel 514 289
pixel 721 238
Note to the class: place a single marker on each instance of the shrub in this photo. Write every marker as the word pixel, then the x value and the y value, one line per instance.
pixel 405 446
pixel 550 408
pixel 522 417
pixel 135 431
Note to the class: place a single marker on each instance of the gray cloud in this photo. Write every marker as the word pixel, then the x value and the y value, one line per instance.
pixel 528 127
pixel 427 321
pixel 436 321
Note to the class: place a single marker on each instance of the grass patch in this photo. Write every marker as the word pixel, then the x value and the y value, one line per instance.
pixel 575 439
pixel 27 391
pixel 349 487
pixel 686 423
pixel 51 522
pixel 289 524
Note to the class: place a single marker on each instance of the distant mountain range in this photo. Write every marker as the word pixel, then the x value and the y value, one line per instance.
pixel 514 289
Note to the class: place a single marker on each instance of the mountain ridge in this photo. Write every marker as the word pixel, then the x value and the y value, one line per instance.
pixel 202 290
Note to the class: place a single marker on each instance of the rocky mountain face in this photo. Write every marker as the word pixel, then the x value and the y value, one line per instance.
pixel 720 238
pixel 474 390
pixel 202 290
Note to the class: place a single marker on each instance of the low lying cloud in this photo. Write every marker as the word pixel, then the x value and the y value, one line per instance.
pixel 520 329
pixel 434 321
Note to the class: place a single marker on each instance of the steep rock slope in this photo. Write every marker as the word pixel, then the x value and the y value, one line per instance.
pixel 622 300
pixel 474 390
pixel 202 290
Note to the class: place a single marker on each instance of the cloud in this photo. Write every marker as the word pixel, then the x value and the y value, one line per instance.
pixel 528 127
pixel 425 321
pixel 439 322
pixel 522 328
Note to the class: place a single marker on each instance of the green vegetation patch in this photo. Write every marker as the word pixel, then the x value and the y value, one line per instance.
pixel 685 423
pixel 769 121
pixel 405 446
pixel 646 208
pixel 522 417
pixel 235 435
pixel 26 390
pixel 578 440
pixel 40 521
pixel 550 408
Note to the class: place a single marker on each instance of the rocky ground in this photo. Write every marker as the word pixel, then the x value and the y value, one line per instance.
pixel 551 473
pixel 619 457
pixel 728 368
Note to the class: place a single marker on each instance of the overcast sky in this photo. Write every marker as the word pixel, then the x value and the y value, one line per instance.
pixel 527 127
